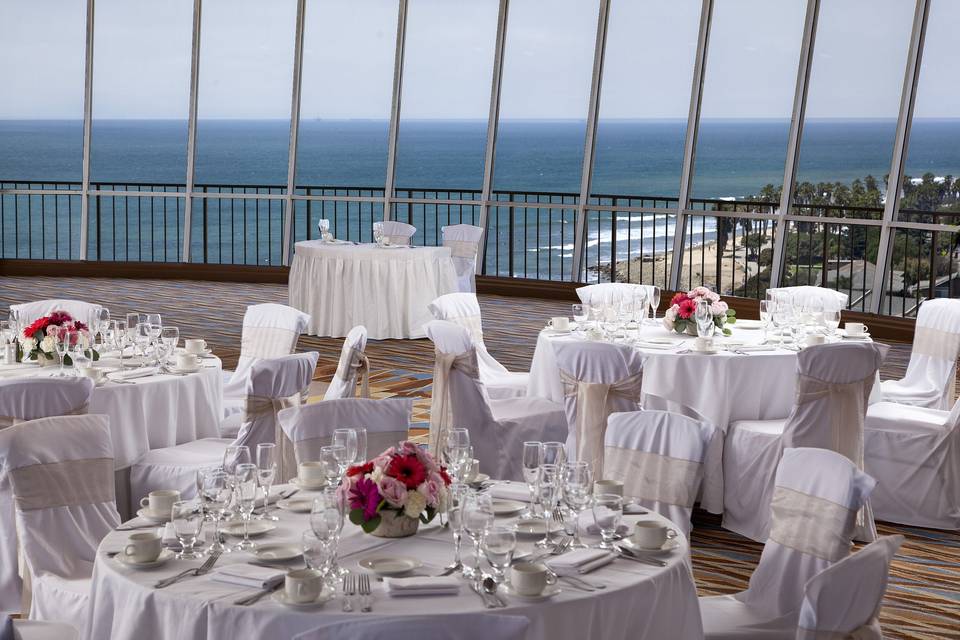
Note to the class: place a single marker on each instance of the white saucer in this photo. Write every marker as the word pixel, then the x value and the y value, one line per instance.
pixel 558 332
pixel 151 516
pixel 176 369
pixel 480 478
pixel 277 552
pixel 750 325
pixel 257 528
pixel 548 592
pixel 280 597
pixel 162 559
pixel 860 336
pixel 503 507
pixel 308 487
pixel 206 352
pixel 668 546
pixel 535 527
pixel 705 352
pixel 296 505
pixel 390 565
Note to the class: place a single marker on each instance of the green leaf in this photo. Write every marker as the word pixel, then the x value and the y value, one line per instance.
pixel 356 516
pixel 67 361
pixel 371 524
pixel 428 515
pixel 94 355
pixel 727 332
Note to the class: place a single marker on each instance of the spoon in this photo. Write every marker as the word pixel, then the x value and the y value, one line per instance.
pixel 490 587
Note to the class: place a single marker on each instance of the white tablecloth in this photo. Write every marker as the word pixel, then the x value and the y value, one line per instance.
pixel 385 289
pixel 640 601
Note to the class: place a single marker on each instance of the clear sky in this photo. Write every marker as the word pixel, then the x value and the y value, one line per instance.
pixel 142 58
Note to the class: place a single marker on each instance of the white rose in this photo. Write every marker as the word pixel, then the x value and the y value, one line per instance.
pixel 28 344
pixel 416 503
pixel 376 474
pixel 48 344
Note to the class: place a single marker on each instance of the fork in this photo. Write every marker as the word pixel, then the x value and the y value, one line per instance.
pixel 198 571
pixel 349 589
pixel 559 519
pixel 366 596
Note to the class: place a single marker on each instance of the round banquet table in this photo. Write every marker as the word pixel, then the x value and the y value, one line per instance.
pixel 640 602
pixel 386 289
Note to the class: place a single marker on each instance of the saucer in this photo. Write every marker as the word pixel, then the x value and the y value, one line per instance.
pixel 162 559
pixel 277 552
pixel 548 592
pixel 152 516
pixel 296 505
pixel 558 332
pixel 668 546
pixel 308 487
pixel 480 478
pixel 176 369
pixel 706 352
pixel 390 565
pixel 206 351
pixel 859 336
pixel 535 527
pixel 280 597
pixel 507 507
pixel 257 528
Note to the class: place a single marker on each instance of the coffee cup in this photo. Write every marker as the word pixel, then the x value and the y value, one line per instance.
pixel 92 372
pixel 650 534
pixel 160 502
pixel 472 471
pixel 703 344
pixel 613 487
pixel 187 361
pixel 560 323
pixel 815 339
pixel 143 547
pixel 195 345
pixel 311 473
pixel 855 328
pixel 303 585
pixel 530 578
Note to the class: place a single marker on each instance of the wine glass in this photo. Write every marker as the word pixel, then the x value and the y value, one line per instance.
pixel 187 519
pixel 233 457
pixel 170 336
pixel 217 493
pixel 378 233
pixel 781 318
pixel 554 453
pixel 705 323
pixel 142 338
pixel 334 462
pixel 607 512
pixel 247 483
pixel 477 516
pixel 458 451
pixel 532 459
pixel 548 485
pixel 63 338
pixel 458 495
pixel 580 314
pixel 499 543
pixel 78 350
pixel 577 489
pixel 103 323
pixel 326 521
pixel 831 319
pixel 655 302
pixel 317 555
pixel 267 472
pixel 361 444
pixel 765 317
pixel 346 438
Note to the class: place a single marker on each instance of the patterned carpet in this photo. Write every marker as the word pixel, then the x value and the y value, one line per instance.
pixel 923 600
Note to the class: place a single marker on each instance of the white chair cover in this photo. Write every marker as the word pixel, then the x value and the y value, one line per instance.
pixel 598 379
pixel 464 243
pixel 463 309
pixel 37 630
pixel 843 600
pixel 497 427
pixel 914 453
pixel 472 626
pixel 61 470
pixel 85 312
pixel 659 457
pixel 932 371
pixel 273 384
pixel 833 387
pixel 615 289
pixel 397 232
pixel 813 519
pixel 353 367
pixel 831 298
pixel 310 427
pixel 24 399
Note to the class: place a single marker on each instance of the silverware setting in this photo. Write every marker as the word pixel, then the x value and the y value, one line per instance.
pixel 489 604
pixel 197 571
pixel 629 554
pixel 366 595
pixel 349 590
pixel 259 595
pixel 489 586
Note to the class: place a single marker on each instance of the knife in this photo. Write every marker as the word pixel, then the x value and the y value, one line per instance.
pixel 629 554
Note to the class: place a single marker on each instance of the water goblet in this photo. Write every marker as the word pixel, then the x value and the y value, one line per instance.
pixel 246 489
pixel 334 459
pixel 548 486
pixel 532 459
pixel 655 302
pixel 103 323
pixel 477 516
pixel 831 319
pixel 577 490
pixel 580 314
pixel 347 438
pixel 361 444
pixel 554 453
pixel 607 512
pixel 458 495
pixel 187 519
pixel 170 336
pixel 217 493
pixel 317 555
pixel 266 473
pixel 499 543
pixel 142 339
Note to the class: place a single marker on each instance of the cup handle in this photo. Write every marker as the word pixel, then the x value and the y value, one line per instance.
pixel 129 550
pixel 144 502
pixel 671 534
pixel 552 577
pixel 866 329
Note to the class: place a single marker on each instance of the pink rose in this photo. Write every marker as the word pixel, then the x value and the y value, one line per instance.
pixel 393 491
pixel 430 489
pixel 719 308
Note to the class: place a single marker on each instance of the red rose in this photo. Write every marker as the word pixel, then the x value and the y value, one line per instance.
pixel 445 476
pixel 687 308
pixel 678 298
pixel 408 470
pixel 360 469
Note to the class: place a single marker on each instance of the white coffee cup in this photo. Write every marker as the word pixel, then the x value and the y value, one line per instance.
pixel 614 487
pixel 650 534
pixel 311 473
pixel 143 547
pixel 160 502
pixel 303 585
pixel 560 323
pixel 92 372
pixel 530 578
pixel 473 470
pixel 814 339
pixel 855 328
pixel 195 345
pixel 187 361
pixel 703 344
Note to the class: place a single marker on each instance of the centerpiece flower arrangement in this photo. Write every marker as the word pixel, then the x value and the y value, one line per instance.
pixel 39 340
pixel 390 495
pixel 680 317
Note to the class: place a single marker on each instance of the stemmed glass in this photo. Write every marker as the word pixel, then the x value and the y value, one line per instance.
pixel 130 333
pixel 62 338
pixel 78 349
pixel 596 310
pixel 705 324
pixel 233 457
pixel 217 493
pixel 378 232
pixel 577 489
pixel 361 444
pixel 326 521
pixel 458 452
pixel 334 459
pixel 781 318
pixel 170 336
pixel 607 512
pixel 187 519
pixel 316 554
pixel 156 329
pixel 499 543
pixel 247 483
pixel 458 495
pixel 142 339
pixel 266 473
pixel 477 516
pixel 655 302
pixel 347 438
pixel 831 319
pixel 103 323
pixel 532 459
pixel 6 334
pixel 554 453
pixel 548 489
pixel 765 317
pixel 580 314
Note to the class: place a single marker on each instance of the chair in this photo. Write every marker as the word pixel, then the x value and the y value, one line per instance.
pixel 598 379
pixel 61 471
pixel 311 426
pixel 617 289
pixel 470 626
pixel 353 367
pixel 397 232
pixel 463 309
pixel 932 370
pixel 800 545
pixel 800 295
pixel 21 400
pixel 833 386
pixel 273 384
pixel 497 427
pixel 22 629
pixel 843 600
pixel 658 456
pixel 85 312
pixel 464 243
pixel 914 453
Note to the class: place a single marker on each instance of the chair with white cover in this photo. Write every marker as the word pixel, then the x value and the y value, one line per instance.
pixel 801 295
pixel 813 513
pixel 398 233
pixel 23 399
pixel 274 384
pixel 352 368
pixel 464 243
pixel 598 379
pixel 464 309
pixel 85 312
pixel 61 471
pixel 497 428
pixel 932 370
pixel 658 456
pixel 464 626
pixel 914 453
pixel 843 600
pixel 310 427
pixel 22 629
pixel 604 290
pixel 834 382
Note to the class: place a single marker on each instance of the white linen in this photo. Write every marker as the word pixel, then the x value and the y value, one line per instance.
pixel 800 295
pixel 85 312
pixel 580 561
pixel 399 233
pixel 385 290
pixel 477 626
pixel 641 602
pixel 248 575
pixel 464 243
pixel 353 365
pixel 507 490
pixel 422 586
pixel 845 597
pixel 932 370
pixel 36 630
pixel 604 290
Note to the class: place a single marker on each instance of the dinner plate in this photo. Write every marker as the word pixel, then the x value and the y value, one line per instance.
pixel 705 352
pixel 162 559
pixel 535 527
pixel 151 516
pixel 548 592
pixel 751 325
pixel 296 505
pixel 503 507
pixel 308 487
pixel 280 597
pixel 390 565
pixel 277 552
pixel 257 528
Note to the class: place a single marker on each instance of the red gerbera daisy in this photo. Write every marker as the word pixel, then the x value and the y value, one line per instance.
pixel 687 308
pixel 445 476
pixel 360 469
pixel 408 470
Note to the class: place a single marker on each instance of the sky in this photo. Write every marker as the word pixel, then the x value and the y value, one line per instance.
pixel 142 58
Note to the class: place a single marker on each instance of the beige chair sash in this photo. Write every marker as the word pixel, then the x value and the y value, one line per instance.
pixel 593 409
pixel 398 240
pixel 651 476
pixel 267 342
pixel 261 406
pixel 63 484
pixel 462 248
pixel 848 402
pixel 936 343
pixel 473 325
pixel 811 525
pixel 441 414
pixel 868 631
pixel 355 368
pixel 9 421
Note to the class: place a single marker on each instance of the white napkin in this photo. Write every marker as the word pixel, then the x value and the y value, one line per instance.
pixel 510 491
pixel 757 347
pixel 248 575
pixel 580 561
pixel 133 374
pixel 169 534
pixel 422 586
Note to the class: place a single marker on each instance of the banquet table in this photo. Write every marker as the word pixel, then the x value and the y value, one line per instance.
pixel 640 601
pixel 386 289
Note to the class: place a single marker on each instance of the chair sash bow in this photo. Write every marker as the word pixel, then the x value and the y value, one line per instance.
pixel 462 248
pixel 261 406
pixel 354 368
pixel 398 240
pixel 9 421
pixel 936 343
pixel 63 484
pixel 654 477
pixel 441 415
pixel 811 525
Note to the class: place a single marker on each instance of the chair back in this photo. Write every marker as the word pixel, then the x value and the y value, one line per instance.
pixel 801 295
pixel 85 312
pixel 353 367
pixel 460 308
pixel 614 289
pixel 397 232
pixel 31 398
pixel 932 369
pixel 269 331
pixel 464 243
pixel 463 626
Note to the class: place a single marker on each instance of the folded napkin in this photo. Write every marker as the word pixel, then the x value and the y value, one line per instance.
pixel 133 374
pixel 248 575
pixel 422 586
pixel 580 561
pixel 510 491
pixel 746 348
pixel 169 535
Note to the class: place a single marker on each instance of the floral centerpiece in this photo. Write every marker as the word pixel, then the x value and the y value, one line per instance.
pixel 680 317
pixel 38 341
pixel 390 495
